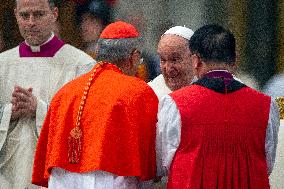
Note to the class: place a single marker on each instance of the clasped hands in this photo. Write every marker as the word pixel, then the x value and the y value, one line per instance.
pixel 24 103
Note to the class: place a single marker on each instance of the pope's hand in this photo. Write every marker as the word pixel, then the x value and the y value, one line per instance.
pixel 24 103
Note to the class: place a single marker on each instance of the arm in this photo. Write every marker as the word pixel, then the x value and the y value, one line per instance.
pixel 272 135
pixel 168 134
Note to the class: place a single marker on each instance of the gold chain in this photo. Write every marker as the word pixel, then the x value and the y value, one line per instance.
pixel 74 143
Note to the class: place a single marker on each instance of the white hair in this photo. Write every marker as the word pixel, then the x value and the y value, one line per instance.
pixel 116 50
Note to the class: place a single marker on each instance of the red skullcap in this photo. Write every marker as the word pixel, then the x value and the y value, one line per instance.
pixel 118 30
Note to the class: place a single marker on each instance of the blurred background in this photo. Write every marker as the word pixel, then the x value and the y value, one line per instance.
pixel 257 25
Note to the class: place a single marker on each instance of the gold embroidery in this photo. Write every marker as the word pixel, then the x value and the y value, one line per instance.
pixel 280 102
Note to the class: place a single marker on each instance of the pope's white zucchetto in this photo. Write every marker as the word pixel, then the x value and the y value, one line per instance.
pixel 180 31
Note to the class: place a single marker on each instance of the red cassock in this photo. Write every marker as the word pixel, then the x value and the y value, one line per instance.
pixel 222 140
pixel 118 125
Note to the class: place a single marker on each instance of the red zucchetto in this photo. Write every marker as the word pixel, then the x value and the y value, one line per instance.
pixel 118 30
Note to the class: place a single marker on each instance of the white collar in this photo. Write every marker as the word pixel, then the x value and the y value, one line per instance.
pixel 218 71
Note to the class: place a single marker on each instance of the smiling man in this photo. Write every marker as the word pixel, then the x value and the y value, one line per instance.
pixel 175 65
pixel 30 74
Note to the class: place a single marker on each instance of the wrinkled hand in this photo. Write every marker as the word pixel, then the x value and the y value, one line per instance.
pixel 24 103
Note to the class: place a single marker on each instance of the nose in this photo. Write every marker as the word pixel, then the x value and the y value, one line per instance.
pixel 31 20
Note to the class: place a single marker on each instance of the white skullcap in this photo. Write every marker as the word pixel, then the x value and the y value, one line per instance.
pixel 180 31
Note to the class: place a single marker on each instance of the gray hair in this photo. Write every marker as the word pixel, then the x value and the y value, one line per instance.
pixel 116 50
pixel 51 3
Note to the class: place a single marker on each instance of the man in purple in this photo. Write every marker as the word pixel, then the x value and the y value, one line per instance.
pixel 30 74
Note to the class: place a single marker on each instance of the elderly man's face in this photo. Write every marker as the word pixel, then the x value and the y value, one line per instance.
pixel 36 20
pixel 175 61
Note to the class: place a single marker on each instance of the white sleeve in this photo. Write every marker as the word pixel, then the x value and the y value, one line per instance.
pixel 271 139
pixel 6 112
pixel 168 134
pixel 41 111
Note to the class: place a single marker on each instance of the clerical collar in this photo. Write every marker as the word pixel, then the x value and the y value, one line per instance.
pixel 221 81
pixel 47 49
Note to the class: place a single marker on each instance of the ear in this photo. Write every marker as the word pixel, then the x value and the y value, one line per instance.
pixel 135 57
pixel 55 13
pixel 195 60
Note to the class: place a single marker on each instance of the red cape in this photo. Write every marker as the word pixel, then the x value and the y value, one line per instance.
pixel 118 124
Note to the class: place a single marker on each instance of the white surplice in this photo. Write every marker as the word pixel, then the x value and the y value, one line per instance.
pixel 45 75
